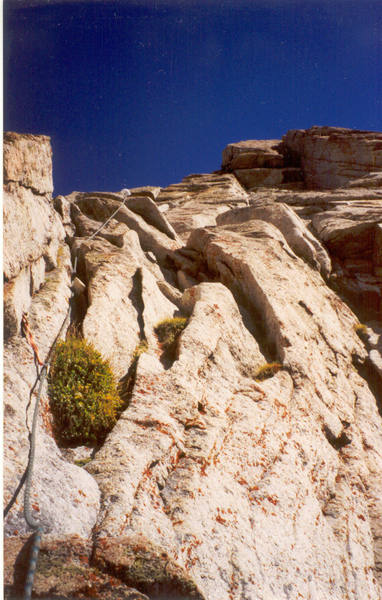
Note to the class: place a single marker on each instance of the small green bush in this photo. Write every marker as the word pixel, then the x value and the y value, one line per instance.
pixel 83 393
pixel 169 330
pixel 267 370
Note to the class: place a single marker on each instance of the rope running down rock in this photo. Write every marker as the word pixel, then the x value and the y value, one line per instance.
pixel 41 376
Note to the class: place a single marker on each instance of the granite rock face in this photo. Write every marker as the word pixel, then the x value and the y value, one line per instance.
pixel 32 231
pixel 199 198
pixel 334 156
pixel 247 462
pixel 341 169
pixel 250 154
pixel 37 271
pixel 299 238
pixel 28 162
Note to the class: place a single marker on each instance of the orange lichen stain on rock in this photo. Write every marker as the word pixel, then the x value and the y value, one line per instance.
pixel 220 519
pixel 242 481
pixel 272 499
pixel 254 488
pixel 279 405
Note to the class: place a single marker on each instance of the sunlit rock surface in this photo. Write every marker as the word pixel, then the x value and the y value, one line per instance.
pixel 247 462
pixel 334 156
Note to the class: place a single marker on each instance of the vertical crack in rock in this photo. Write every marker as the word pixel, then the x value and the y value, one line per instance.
pixel 127 382
pixel 137 301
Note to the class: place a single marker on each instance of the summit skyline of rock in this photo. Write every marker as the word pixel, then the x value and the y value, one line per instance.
pixel 248 464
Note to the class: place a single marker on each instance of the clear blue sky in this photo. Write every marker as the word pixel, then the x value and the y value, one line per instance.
pixel 144 92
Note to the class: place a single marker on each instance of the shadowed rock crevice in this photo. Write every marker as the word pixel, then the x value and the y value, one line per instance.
pixel 127 382
pixel 196 265
pixel 147 568
pixel 337 442
pixel 233 272
pixel 137 301
pixel 372 378
pixel 254 321
pixel 21 565
pixel 168 333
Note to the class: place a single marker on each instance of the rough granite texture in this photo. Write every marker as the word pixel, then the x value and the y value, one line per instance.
pixel 247 462
pixel 334 156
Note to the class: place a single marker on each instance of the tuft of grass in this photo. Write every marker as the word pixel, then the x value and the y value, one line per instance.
pixel 81 462
pixel 83 393
pixel 168 332
pixel 267 370
pixel 140 349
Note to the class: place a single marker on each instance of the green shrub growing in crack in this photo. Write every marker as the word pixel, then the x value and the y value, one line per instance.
pixel 267 370
pixel 83 393
pixel 168 332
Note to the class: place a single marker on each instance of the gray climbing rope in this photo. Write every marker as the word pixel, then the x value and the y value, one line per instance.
pixel 27 512
pixel 30 520
pixel 41 376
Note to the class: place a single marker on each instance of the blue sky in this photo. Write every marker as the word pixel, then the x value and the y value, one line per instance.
pixel 144 92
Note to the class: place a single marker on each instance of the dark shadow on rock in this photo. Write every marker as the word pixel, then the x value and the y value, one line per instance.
pixel 362 309
pixel 337 442
pixel 254 322
pixel 20 570
pixel 16 493
pixel 127 383
pixel 79 309
pixel 136 299
pixel 169 355
pixel 368 372
pixel 169 274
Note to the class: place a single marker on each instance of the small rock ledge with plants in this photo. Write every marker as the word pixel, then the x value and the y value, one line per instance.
pixel 210 427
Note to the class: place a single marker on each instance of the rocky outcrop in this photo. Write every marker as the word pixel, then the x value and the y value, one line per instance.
pixel 37 271
pixel 321 157
pixel 262 163
pixel 334 156
pixel 251 154
pixel 198 199
pixel 247 461
pixel 27 161
pixel 299 238
pixel 345 219
pixel 32 230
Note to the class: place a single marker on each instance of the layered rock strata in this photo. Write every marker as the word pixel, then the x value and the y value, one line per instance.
pixel 258 163
pixel 332 157
pixel 247 463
